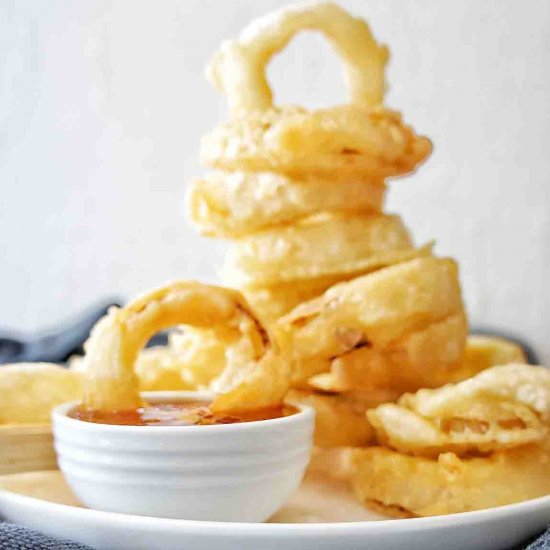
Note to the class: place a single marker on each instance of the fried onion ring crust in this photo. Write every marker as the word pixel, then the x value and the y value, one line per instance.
pixel 232 204
pixel 255 376
pixel 29 392
pixel 191 360
pixel 160 369
pixel 361 137
pixel 319 247
pixel 338 142
pixel 331 462
pixel 483 352
pixel 273 301
pixel 525 384
pixel 202 354
pixel 364 369
pixel 479 427
pixel 340 421
pixel 375 309
pixel 500 408
pixel 238 67
pixel 426 358
pixel 449 484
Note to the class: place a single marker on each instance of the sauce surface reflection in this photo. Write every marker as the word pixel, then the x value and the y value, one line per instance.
pixel 178 414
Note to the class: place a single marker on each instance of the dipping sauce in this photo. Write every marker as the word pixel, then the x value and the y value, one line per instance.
pixel 178 414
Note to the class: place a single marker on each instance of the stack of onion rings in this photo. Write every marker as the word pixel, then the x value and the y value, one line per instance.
pixel 300 193
pixel 334 306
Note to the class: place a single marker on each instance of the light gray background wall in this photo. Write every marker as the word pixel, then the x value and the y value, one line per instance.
pixel 103 102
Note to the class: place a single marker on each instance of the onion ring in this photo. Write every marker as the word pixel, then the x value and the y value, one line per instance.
pixel 317 247
pixel 483 352
pixel 479 427
pixel 270 303
pixel 255 377
pixel 273 301
pixel 422 359
pixel 527 384
pixel 500 408
pixel 358 370
pixel 449 484
pixel 375 309
pixel 232 204
pixel 339 420
pixel 340 142
pixel 201 352
pixel 359 138
pixel 238 67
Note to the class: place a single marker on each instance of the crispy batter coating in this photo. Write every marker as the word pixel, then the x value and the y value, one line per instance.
pixel 483 352
pixel 201 353
pixel 160 369
pixel 29 391
pixel 421 359
pixel 320 247
pixel 331 462
pixel 449 484
pixel 340 421
pixel 238 67
pixel 271 302
pixel 500 408
pixel 255 376
pixel 478 427
pixel 341 142
pixel 376 309
pixel 232 204
pixel 526 384
pixel 426 354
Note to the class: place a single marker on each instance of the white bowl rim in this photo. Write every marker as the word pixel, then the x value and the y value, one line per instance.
pixel 60 415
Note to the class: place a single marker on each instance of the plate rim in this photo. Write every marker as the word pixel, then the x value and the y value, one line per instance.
pixel 245 528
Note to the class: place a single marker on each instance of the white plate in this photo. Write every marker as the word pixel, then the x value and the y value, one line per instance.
pixel 42 501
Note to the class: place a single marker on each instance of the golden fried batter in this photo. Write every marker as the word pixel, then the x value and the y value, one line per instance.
pixel 449 484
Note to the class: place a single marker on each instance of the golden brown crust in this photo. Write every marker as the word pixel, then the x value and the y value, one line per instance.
pixel 331 462
pixel 160 369
pixel 447 485
pixel 426 358
pixel 483 352
pixel 325 246
pixel 238 68
pixel 375 309
pixel 270 302
pixel 233 204
pixel 29 391
pixel 340 421
pixel 339 142
pixel 498 409
pixel 255 375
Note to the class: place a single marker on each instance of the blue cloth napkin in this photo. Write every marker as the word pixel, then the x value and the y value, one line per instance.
pixel 15 537
pixel 541 543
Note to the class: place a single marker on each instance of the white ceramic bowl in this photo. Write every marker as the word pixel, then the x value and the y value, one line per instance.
pixel 227 472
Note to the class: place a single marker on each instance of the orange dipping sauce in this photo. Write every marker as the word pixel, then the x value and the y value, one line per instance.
pixel 178 414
